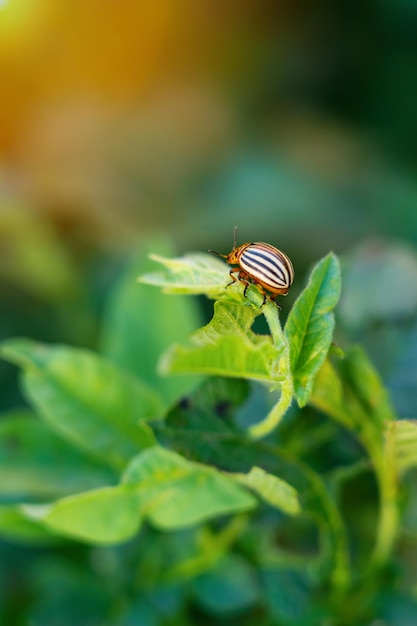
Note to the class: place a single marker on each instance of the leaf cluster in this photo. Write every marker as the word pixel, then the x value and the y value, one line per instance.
pixel 110 451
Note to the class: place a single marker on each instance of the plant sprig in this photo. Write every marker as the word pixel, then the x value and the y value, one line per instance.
pixel 288 360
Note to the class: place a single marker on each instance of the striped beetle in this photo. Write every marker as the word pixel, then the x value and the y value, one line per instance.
pixel 269 269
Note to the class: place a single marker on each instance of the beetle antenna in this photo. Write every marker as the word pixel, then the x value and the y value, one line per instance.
pixel 224 256
pixel 234 237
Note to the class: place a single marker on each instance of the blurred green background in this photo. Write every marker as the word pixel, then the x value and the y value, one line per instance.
pixel 123 121
pixel 295 121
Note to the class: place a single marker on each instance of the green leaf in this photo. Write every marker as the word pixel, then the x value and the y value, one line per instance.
pixel 404 434
pixel 352 392
pixel 189 493
pixel 35 462
pixel 310 324
pixel 86 399
pixel 328 395
pixel 16 526
pixel 141 322
pixel 273 490
pixel 204 429
pixel 103 516
pixel 191 274
pixel 226 347
pixel 211 408
pixel 210 440
pixel 171 492
pixel 366 384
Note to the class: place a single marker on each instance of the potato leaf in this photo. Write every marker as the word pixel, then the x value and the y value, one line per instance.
pixel 191 274
pixel 272 489
pixel 86 399
pixel 158 485
pixel 310 325
pixel 226 347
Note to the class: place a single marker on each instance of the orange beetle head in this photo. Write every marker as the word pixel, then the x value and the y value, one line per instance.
pixel 233 257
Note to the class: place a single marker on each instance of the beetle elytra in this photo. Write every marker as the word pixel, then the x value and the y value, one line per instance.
pixel 261 264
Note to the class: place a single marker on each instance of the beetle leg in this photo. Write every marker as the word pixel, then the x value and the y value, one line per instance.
pixel 262 292
pixel 272 298
pixel 232 276
pixel 242 276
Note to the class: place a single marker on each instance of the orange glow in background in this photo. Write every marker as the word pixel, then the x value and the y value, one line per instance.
pixel 119 117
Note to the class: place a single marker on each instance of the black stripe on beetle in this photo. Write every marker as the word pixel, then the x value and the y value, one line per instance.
pixel 262 263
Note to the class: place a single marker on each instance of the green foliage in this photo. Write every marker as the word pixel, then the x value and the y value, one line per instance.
pixel 310 325
pixel 193 273
pixel 230 586
pixel 403 437
pixel 87 399
pixel 138 327
pixel 272 489
pixel 228 347
pixel 225 347
pixel 28 450
pixel 175 483
pixel 169 491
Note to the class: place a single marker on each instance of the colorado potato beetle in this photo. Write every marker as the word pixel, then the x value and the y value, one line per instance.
pixel 259 263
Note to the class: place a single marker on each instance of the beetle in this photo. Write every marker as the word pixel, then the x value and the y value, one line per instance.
pixel 262 265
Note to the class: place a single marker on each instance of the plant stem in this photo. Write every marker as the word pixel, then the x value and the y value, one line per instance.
pixel 272 319
pixel 263 428
pixel 388 495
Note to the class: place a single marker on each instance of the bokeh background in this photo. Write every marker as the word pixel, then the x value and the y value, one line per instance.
pixel 122 120
pixel 295 121
pixel 125 120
